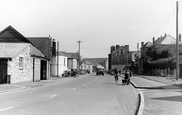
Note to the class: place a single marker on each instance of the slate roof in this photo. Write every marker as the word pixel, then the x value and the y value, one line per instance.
pixel 43 44
pixel 95 60
pixel 63 53
pixel 11 35
pixel 167 39
pixel 10 50
pixel 74 55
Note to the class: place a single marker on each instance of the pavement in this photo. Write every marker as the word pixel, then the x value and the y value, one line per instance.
pixel 25 85
pixel 158 95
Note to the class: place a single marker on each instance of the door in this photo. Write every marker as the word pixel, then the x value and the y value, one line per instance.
pixel 3 71
pixel 43 70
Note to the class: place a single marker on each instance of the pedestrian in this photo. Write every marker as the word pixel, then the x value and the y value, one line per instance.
pixel 116 75
pixel 127 77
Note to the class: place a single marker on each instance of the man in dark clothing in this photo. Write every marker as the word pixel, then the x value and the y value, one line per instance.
pixel 116 75
pixel 127 76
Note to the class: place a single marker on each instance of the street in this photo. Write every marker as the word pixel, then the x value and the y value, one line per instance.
pixel 86 95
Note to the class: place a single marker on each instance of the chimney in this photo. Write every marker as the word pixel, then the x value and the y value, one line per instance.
pixel 53 47
pixel 112 48
pixel 153 40
pixel 179 37
pixel 165 35
pixel 142 44
pixel 117 46
pixel 127 48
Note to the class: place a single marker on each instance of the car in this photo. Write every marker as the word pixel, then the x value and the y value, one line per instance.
pixel 66 73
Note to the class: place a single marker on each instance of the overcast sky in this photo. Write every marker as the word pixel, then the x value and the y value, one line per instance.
pixel 99 24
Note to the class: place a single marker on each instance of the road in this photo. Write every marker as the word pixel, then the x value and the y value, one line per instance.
pixel 86 95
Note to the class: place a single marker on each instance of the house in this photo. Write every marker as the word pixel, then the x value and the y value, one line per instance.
pixel 163 43
pixel 86 65
pixel 59 63
pixel 72 62
pixel 119 57
pixel 97 61
pixel 47 46
pixel 20 60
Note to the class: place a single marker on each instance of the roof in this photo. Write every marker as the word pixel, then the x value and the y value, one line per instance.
pixel 11 35
pixel 148 44
pixel 88 63
pixel 63 53
pixel 95 60
pixel 74 55
pixel 167 39
pixel 10 50
pixel 43 44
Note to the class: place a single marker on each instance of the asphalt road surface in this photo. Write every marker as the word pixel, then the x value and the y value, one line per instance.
pixel 86 95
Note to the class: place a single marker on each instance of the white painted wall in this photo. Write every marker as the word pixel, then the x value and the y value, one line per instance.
pixel 63 61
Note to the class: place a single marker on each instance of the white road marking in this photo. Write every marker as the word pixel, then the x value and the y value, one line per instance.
pixel 6 108
pixel 74 89
pixel 84 84
pixel 90 82
pixel 54 95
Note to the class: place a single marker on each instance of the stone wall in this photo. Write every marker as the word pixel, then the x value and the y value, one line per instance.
pixel 19 74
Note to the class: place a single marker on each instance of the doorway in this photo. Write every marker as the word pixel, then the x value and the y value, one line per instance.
pixel 3 71
pixel 43 70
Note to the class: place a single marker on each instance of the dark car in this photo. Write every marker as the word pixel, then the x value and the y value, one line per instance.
pixel 100 71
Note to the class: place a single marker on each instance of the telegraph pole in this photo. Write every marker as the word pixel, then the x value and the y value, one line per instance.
pixel 177 44
pixel 57 59
pixel 138 56
pixel 79 56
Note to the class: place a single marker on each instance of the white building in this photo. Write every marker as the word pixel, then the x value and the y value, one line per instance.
pixel 60 63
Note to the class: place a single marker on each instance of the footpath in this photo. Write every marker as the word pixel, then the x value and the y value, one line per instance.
pixel 25 85
pixel 158 95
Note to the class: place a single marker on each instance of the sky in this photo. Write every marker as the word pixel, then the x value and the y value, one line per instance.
pixel 99 24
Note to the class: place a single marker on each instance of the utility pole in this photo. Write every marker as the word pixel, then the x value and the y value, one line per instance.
pixel 177 44
pixel 138 56
pixel 79 56
pixel 57 59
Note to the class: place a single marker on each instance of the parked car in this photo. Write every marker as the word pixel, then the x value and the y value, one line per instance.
pixel 74 72
pixel 82 72
pixel 66 73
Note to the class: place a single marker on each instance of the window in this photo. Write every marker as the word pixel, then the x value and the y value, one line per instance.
pixel 21 62
pixel 64 62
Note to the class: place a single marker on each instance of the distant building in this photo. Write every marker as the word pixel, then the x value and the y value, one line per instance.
pixel 97 61
pixel 120 57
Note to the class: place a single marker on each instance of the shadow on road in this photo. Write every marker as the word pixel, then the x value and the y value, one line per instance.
pixel 171 98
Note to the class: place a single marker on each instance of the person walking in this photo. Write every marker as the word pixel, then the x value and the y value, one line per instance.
pixel 127 77
pixel 116 75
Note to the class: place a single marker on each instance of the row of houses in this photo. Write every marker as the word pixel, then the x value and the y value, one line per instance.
pixel 120 56
pixel 27 59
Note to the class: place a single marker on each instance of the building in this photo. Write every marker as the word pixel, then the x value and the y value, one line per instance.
pixel 86 65
pixel 20 60
pixel 97 61
pixel 163 43
pixel 59 63
pixel 120 57
pixel 47 46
